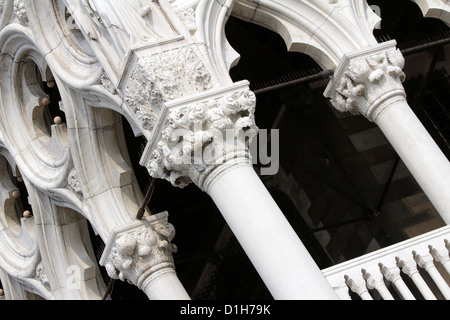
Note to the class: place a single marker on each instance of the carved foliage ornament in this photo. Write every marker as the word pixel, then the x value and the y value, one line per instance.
pixel 20 11
pixel 186 13
pixel 74 182
pixel 202 136
pixel 41 275
pixel 141 251
pixel 368 81
pixel 187 16
pixel 164 77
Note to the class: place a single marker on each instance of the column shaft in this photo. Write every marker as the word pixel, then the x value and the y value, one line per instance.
pixel 165 285
pixel 282 261
pixel 419 152
pixel 369 82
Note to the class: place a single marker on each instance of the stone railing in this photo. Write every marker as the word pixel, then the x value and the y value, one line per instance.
pixel 418 268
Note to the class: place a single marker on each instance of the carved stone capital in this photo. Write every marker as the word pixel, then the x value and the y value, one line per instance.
pixel 366 80
pixel 440 256
pixel 391 274
pixel 139 250
pixel 358 287
pixel 408 267
pixel 373 280
pixel 198 135
pixel 424 261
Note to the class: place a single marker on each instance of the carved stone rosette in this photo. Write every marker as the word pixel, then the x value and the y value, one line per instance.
pixel 365 80
pixel 137 251
pixel 200 134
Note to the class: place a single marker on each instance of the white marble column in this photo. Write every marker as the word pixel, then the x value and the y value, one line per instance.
pixel 204 142
pixel 271 244
pixel 369 82
pixel 141 253
pixel 196 121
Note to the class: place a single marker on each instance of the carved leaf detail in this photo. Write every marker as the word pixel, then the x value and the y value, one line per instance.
pixel 366 79
pixel 20 11
pixel 195 137
pixel 139 250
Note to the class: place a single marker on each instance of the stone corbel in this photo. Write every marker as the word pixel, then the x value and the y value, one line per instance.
pixel 139 251
pixel 365 80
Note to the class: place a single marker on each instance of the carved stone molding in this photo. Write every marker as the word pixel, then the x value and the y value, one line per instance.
pixel 137 251
pixel 367 79
pixel 198 135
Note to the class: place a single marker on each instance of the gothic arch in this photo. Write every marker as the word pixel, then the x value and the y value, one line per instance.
pixel 435 9
pixel 99 150
pixel 68 261
pixel 20 253
pixel 40 151
pixel 324 30
pixel 171 77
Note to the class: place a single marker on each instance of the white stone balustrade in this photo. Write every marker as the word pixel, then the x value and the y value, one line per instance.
pixel 424 259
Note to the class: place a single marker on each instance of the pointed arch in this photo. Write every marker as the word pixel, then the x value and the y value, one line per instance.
pixel 438 9
pixel 324 30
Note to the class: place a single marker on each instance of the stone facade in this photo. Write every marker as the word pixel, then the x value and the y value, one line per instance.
pixel 71 69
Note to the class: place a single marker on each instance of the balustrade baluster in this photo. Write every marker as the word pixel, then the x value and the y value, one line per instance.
pixel 380 269
pixel 393 275
pixel 410 269
pixel 359 287
pixel 441 256
pixel 376 281
pixel 426 262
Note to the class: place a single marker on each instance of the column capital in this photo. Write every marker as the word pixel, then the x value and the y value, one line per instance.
pixel 440 256
pixel 423 261
pixel 366 79
pixel 198 134
pixel 358 287
pixel 139 250
pixel 373 280
pixel 408 267
pixel 391 274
